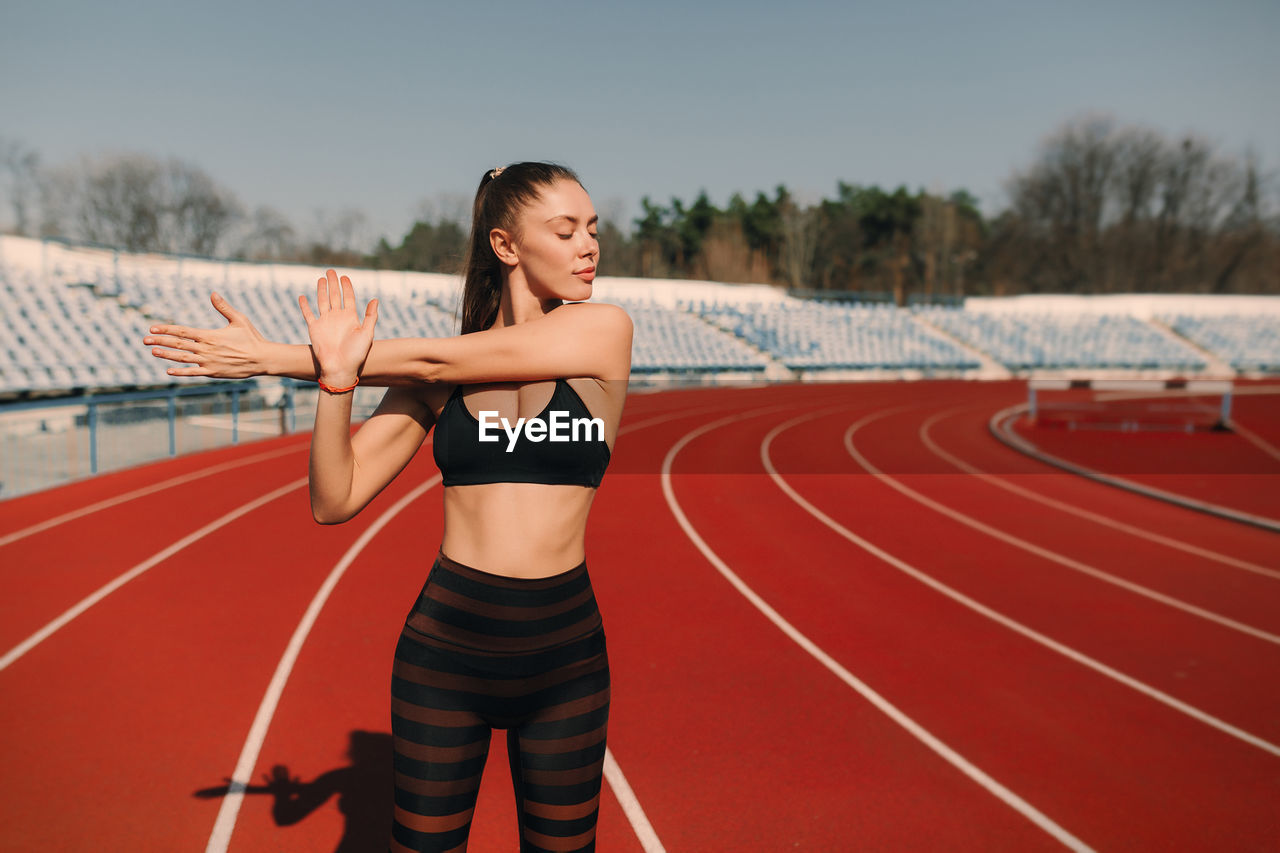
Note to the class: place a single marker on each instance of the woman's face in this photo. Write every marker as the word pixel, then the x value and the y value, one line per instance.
pixel 556 243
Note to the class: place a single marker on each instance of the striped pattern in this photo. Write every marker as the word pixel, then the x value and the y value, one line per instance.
pixel 482 651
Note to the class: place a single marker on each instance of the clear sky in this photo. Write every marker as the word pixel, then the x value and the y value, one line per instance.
pixel 380 105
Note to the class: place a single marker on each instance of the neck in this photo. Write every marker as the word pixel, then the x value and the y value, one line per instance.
pixel 518 304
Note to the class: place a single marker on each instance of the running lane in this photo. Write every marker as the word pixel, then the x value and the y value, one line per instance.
pixel 51 570
pixel 742 739
pixel 158 683
pixel 1125 769
pixel 891 442
pixel 963 433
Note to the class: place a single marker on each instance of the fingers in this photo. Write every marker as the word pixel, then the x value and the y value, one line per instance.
pixel 348 294
pixel 335 290
pixel 171 341
pixel 370 313
pixel 334 293
pixel 198 335
pixel 178 355
pixel 224 308
pixel 189 371
pixel 306 309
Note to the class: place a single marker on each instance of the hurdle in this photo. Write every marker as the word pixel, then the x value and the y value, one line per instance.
pixel 1140 388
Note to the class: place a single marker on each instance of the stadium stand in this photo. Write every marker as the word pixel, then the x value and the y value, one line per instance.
pixel 806 335
pixel 95 304
pixel 1038 341
pixel 1248 342
pixel 60 336
pixel 669 340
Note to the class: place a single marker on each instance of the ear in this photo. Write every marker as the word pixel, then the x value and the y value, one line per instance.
pixel 504 247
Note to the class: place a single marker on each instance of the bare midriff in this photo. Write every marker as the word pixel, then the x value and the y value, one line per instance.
pixel 521 530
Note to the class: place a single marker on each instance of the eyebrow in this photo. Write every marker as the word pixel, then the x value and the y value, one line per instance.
pixel 574 219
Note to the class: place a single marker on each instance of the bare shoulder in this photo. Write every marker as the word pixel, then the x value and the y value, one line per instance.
pixel 610 319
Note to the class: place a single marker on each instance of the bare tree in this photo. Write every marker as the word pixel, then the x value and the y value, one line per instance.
pixel 141 204
pixel 445 207
pixel 1109 208
pixel 268 236
pixel 198 214
pixel 121 202
pixel 21 166
pixel 56 190
pixel 344 231
pixel 800 227
pixel 727 257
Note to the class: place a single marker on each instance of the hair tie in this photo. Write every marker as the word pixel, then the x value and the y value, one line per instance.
pixel 493 175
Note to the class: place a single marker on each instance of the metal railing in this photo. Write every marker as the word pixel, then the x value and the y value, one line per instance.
pixel 50 441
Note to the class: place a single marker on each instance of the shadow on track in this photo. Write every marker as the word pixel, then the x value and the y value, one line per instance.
pixel 363 788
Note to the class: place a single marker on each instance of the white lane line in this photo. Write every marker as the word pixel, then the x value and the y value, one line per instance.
pixel 1044 553
pixel 1080 512
pixel 996 616
pixel 225 823
pixel 630 805
pixel 950 755
pixel 1255 439
pixel 142 492
pixel 40 636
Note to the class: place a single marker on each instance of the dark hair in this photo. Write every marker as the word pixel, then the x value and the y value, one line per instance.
pixel 500 197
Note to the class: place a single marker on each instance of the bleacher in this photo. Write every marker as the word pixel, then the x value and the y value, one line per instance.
pixel 810 336
pixel 60 335
pixel 1247 342
pixel 1040 341
pixel 73 317
pixel 668 340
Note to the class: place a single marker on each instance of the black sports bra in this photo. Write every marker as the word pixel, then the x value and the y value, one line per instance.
pixel 561 445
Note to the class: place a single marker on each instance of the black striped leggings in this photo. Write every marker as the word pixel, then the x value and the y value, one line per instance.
pixel 481 651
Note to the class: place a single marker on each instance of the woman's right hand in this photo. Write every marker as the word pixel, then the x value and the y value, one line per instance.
pixel 339 340
pixel 236 351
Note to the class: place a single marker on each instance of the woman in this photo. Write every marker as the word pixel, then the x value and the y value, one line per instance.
pixel 505 633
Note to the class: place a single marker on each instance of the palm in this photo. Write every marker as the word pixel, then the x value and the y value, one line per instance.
pixel 340 336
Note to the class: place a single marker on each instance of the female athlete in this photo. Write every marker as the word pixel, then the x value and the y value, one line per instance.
pixel 505 633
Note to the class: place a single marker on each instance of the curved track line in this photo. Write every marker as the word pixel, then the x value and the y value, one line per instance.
pixel 1080 512
pixel 225 823
pixel 1044 553
pixel 927 738
pixel 142 492
pixel 996 616
pixel 102 592
pixel 998 425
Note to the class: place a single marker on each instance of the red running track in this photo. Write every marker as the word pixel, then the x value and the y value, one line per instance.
pixel 846 618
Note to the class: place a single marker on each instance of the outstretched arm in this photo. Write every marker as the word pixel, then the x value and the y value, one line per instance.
pixel 574 340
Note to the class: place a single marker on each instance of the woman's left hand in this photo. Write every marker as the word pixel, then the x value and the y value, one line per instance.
pixel 339 340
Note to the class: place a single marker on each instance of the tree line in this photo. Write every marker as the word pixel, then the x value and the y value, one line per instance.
pixel 1102 208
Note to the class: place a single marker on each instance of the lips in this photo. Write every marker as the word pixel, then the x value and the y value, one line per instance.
pixel 588 273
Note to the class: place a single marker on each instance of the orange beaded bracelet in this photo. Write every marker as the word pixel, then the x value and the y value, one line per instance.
pixel 333 390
